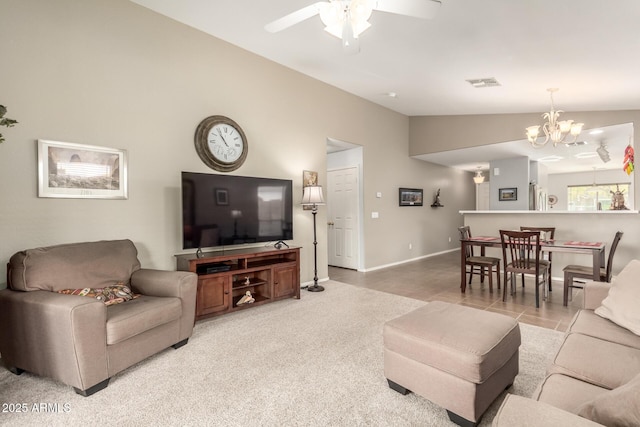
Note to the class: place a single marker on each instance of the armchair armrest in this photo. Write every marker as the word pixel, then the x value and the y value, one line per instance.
pixel 55 335
pixel 524 412
pixel 165 283
pixel 594 294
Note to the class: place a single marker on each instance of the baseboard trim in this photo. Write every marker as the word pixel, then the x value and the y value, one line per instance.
pixel 408 260
pixel 310 282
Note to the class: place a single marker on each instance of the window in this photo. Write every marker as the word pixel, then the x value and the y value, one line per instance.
pixel 594 197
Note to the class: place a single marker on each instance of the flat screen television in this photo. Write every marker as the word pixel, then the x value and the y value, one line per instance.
pixel 222 210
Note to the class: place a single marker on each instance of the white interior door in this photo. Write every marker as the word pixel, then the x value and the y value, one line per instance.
pixel 483 194
pixel 343 195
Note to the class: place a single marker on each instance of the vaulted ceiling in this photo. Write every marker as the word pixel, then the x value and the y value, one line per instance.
pixel 590 49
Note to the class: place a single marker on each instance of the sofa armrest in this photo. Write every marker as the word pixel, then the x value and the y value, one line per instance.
pixel 55 335
pixel 165 283
pixel 594 294
pixel 524 412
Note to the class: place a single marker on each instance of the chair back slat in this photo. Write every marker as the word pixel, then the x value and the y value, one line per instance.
pixel 523 248
pixel 465 233
pixel 612 251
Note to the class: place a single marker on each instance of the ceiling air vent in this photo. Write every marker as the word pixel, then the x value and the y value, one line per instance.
pixel 577 143
pixel 487 82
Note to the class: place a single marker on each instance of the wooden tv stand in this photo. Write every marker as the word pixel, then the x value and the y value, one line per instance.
pixel 224 277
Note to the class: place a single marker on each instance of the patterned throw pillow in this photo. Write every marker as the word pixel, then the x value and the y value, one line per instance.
pixel 108 295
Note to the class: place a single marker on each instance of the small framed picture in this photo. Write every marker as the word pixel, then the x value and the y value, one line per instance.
pixel 308 178
pixel 410 196
pixel 508 194
pixel 81 171
pixel 222 196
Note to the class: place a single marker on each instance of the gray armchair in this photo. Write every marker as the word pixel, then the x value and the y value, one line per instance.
pixel 79 340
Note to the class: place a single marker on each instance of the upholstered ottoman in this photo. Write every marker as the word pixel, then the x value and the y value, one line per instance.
pixel 457 357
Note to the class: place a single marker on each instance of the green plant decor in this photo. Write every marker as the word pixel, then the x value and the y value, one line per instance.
pixel 5 121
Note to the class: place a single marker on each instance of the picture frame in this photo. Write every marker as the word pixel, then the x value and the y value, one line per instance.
pixel 410 197
pixel 222 196
pixel 80 171
pixel 309 178
pixel 508 194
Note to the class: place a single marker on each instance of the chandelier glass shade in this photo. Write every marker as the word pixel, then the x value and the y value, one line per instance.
pixel 556 131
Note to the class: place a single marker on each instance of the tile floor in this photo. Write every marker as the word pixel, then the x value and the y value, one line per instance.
pixel 438 279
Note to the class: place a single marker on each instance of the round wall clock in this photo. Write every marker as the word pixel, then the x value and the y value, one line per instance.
pixel 221 143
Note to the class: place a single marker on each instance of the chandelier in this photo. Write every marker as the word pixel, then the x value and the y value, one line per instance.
pixel 554 130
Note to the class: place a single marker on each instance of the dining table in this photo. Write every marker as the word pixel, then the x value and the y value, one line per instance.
pixel 596 249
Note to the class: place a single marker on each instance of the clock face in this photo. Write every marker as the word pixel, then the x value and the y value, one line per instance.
pixel 221 143
pixel 225 143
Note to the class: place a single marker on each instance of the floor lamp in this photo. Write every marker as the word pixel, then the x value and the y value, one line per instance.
pixel 312 196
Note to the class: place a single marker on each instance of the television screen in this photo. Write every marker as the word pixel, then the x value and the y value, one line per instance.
pixel 220 210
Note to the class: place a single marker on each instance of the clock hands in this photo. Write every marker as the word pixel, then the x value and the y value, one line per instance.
pixel 222 136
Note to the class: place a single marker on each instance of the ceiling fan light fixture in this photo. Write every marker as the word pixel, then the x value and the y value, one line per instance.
pixel 347 20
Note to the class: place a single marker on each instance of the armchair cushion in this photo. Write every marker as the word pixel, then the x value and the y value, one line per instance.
pixel 140 315
pixel 621 305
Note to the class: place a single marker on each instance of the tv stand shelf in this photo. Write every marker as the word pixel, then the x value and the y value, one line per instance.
pixel 224 277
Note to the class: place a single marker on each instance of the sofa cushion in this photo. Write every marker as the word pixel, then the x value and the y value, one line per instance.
pixel 523 412
pixel 87 264
pixel 592 360
pixel 566 393
pixel 586 322
pixel 139 315
pixel 110 295
pixel 621 305
pixel 618 407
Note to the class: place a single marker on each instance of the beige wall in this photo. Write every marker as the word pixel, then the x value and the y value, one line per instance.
pixel 111 73
pixel 433 134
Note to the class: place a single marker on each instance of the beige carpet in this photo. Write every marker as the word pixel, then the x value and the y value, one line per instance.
pixel 316 361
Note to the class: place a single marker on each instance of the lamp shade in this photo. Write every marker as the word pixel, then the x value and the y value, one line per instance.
pixel 312 195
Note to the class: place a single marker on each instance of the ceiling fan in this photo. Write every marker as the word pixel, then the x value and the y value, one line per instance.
pixel 347 19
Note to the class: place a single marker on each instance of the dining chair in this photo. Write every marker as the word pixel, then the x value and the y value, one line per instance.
pixel 479 264
pixel 572 272
pixel 521 253
pixel 550 233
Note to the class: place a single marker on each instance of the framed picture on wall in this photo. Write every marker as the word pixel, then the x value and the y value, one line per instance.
pixel 410 196
pixel 508 194
pixel 308 178
pixel 79 171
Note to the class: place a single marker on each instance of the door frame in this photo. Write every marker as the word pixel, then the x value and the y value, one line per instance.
pixel 352 158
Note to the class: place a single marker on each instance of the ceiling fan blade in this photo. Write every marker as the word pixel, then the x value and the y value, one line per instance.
pixel 425 9
pixel 294 17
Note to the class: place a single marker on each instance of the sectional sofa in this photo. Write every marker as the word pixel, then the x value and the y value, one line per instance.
pixel 594 377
